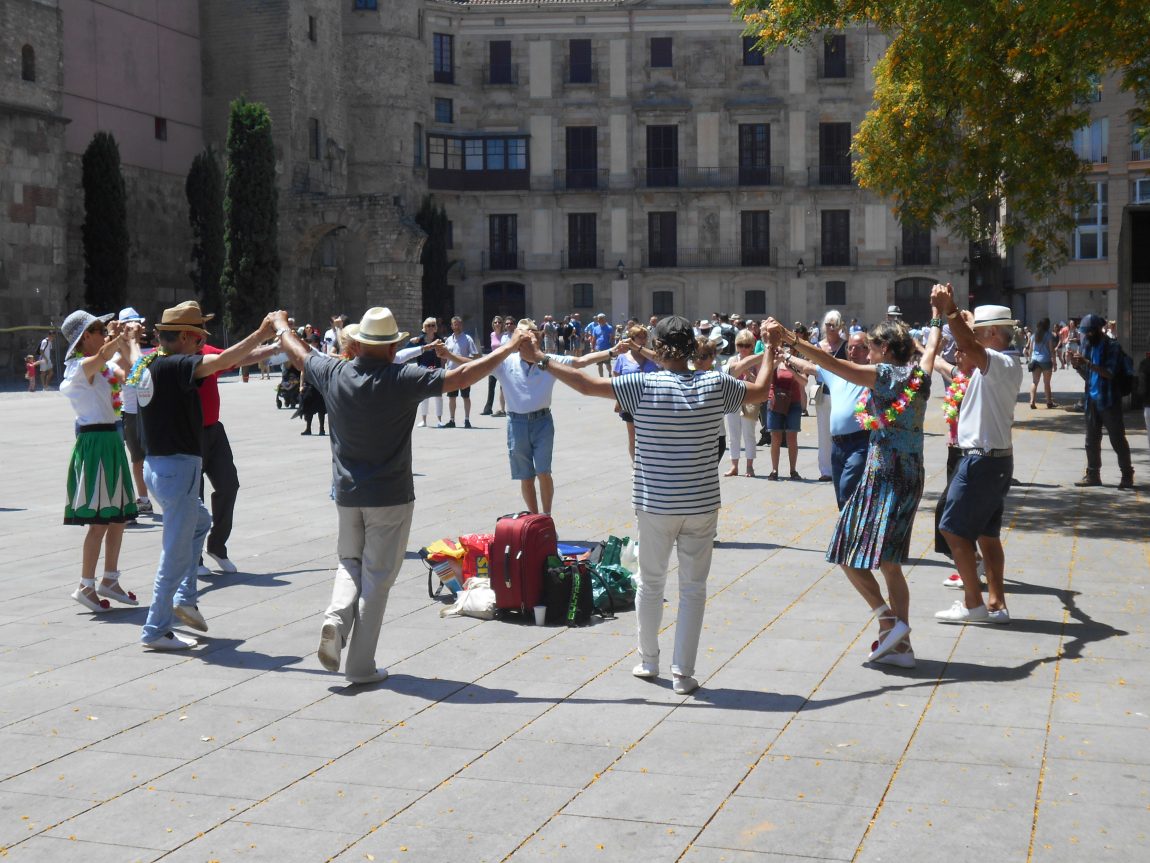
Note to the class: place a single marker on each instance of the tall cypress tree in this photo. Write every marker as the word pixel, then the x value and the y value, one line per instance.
pixel 433 220
pixel 204 189
pixel 250 282
pixel 105 229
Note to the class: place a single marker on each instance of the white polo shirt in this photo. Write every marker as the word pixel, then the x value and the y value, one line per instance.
pixel 526 387
pixel 987 413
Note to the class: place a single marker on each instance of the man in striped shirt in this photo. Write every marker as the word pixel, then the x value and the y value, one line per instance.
pixel 677 413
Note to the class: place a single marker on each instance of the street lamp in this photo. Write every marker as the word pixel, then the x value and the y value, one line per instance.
pixel 802 268
pixel 621 269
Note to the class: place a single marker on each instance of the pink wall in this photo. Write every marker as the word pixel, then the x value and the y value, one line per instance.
pixel 127 62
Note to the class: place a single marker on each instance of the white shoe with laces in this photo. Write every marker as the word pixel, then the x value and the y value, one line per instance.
pixel 223 564
pixel 684 684
pixel 959 613
pixel 646 670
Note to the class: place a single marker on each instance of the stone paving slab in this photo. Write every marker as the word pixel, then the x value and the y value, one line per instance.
pixel 499 741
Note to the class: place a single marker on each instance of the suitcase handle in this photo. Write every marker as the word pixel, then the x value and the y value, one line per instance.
pixel 507 566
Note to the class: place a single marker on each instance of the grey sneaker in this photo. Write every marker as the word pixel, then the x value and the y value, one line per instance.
pixel 684 684
pixel 329 647
pixel 646 670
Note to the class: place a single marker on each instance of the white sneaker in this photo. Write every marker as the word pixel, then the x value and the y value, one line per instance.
pixel 170 641
pixel 684 684
pixel 189 615
pixel 377 676
pixel 998 615
pixel 329 647
pixel 422 424
pixel 959 613
pixel 222 563
pixel 953 580
pixel 646 670
pixel 202 570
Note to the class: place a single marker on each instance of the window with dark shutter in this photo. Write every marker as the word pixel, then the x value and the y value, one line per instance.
pixel 443 46
pixel 752 56
pixel 662 239
pixel 661 56
pixel 579 68
pixel 754 154
pixel 836 238
pixel 582 157
pixel 755 235
pixel 834 154
pixel 662 156
pixel 499 63
pixel 581 241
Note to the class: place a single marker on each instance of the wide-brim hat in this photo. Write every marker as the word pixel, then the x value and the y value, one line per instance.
pixel 716 338
pixel 129 315
pixel 993 316
pixel 893 312
pixel 350 331
pixel 378 327
pixel 186 316
pixel 76 324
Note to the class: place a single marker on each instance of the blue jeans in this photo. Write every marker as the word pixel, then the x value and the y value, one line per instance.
pixel 848 460
pixel 175 484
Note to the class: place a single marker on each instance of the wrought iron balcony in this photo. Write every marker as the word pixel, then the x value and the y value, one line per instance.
pixel 576 179
pixel 501 75
pixel 684 177
pixel 719 257
pixel 838 256
pixel 500 259
pixel 830 175
pixel 916 256
pixel 581 259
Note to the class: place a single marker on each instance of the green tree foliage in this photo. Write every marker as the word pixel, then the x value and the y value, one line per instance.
pixel 250 282
pixel 204 189
pixel 433 219
pixel 976 101
pixel 105 229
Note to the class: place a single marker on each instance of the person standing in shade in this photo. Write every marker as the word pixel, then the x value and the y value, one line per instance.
pixel 976 499
pixel 678 414
pixel 373 402
pixel 167 384
pixel 1098 360
pixel 462 348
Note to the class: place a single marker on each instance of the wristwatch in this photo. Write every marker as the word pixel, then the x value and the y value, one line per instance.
pixel 281 331
pixel 544 361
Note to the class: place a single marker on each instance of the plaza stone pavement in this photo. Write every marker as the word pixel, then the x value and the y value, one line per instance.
pixel 494 741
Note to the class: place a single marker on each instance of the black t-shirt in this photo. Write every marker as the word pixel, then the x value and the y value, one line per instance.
pixel 173 419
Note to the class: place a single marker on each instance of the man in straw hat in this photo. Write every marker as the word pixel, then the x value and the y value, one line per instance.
pixel 677 414
pixel 372 401
pixel 167 383
pixel 530 429
pixel 977 495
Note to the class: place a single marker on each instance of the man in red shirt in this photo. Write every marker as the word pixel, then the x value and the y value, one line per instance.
pixel 219 466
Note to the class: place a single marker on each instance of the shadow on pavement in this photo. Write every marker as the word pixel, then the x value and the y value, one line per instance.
pixel 1103 512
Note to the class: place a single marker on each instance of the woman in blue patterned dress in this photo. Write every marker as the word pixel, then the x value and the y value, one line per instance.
pixel 873 529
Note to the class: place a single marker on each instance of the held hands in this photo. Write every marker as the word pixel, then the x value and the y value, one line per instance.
pixel 942 298
pixel 517 336
pixel 529 347
pixel 276 320
pixel 774 331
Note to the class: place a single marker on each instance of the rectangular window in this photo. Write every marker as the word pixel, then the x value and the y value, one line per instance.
pixel 444 51
pixel 366 4
pixel 835 56
pixel 417 146
pixel 579 68
pixel 311 31
pixel 834 154
pixel 436 152
pixel 916 250
pixel 662 303
pixel 454 154
pixel 1142 191
pixel 662 239
pixel 662 156
pixel 752 56
pixel 661 56
pixel 836 293
pixel 517 154
pixel 836 238
pixel 755 236
pixel 473 154
pixel 450 239
pixel 1092 143
pixel 499 69
pixel 582 157
pixel 496 154
pixel 313 142
pixel 1140 145
pixel 161 128
pixel 1091 237
pixel 581 241
pixel 503 242
pixel 754 154
pixel 444 111
pixel 582 296
pixel 755 302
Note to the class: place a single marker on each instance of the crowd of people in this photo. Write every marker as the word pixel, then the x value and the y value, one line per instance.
pixel 686 390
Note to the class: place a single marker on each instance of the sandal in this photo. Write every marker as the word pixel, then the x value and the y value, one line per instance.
pixel 890 638
pixel 901 657
pixel 750 471
pixel 773 475
pixel 81 597
pixel 110 587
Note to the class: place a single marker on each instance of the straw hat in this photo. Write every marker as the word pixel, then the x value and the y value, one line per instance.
pixel 993 316
pixel 186 316
pixel 377 327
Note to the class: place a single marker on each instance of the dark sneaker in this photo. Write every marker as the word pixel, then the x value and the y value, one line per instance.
pixel 1088 480
pixel 467 424
pixel 1127 481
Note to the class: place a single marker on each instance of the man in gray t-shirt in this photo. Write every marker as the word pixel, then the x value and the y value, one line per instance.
pixel 371 402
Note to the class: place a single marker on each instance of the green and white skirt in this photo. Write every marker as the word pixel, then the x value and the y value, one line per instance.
pixel 100 489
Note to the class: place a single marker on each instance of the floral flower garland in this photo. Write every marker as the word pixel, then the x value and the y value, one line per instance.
pixel 892 413
pixel 114 382
pixel 141 366
pixel 953 400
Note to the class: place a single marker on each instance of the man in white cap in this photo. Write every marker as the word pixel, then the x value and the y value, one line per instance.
pixel 372 401
pixel 168 382
pixel 977 495
pixel 131 416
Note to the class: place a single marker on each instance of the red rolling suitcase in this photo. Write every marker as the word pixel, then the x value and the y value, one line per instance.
pixel 518 559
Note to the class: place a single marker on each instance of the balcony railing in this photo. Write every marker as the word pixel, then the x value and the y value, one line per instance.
pixel 580 74
pixel 581 259
pixel 1140 155
pixel 499 259
pixel 836 70
pixel 501 75
pixel 845 256
pixel 443 76
pixel 916 256
pixel 684 177
pixel 478 181
pixel 830 175
pixel 719 257
pixel 574 179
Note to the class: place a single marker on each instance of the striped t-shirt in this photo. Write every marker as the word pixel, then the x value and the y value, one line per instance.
pixel 677 418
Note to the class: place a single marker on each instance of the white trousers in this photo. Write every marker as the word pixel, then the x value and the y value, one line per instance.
pixel 423 406
pixel 823 419
pixel 371 545
pixel 693 537
pixel 741 436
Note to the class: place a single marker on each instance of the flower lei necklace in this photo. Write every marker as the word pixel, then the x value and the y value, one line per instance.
pixel 953 399
pixel 113 382
pixel 892 413
pixel 141 365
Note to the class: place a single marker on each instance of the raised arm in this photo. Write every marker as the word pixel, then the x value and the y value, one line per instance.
pixel 933 340
pixel 570 376
pixel 865 376
pixel 942 298
pixel 237 353
pixel 292 345
pixel 477 369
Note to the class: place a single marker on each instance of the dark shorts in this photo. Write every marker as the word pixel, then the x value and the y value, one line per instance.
pixel 977 497
pixel 848 460
pixel 789 421
pixel 626 417
pixel 1041 366
pixel 465 392
pixel 133 436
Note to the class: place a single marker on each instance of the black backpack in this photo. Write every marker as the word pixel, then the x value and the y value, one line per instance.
pixel 1123 381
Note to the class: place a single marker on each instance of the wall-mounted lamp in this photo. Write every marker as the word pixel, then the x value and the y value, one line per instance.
pixel 965 264
pixel 802 268
pixel 460 265
pixel 621 269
